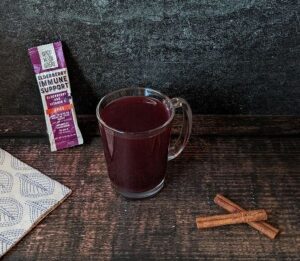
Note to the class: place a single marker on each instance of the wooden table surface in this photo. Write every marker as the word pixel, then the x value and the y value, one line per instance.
pixel 255 161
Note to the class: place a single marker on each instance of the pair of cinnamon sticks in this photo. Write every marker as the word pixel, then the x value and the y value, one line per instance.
pixel 254 218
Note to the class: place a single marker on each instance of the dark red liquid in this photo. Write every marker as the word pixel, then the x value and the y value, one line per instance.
pixel 136 164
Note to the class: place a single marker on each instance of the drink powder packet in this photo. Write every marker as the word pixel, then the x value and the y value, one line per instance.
pixel 53 80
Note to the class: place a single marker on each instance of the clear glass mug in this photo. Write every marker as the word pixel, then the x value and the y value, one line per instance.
pixel 137 161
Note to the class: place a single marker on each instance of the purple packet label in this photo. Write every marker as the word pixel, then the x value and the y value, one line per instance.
pixel 53 80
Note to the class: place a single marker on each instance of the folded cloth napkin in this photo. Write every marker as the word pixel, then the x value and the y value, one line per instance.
pixel 26 197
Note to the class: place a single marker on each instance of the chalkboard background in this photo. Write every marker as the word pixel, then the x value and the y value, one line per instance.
pixel 223 56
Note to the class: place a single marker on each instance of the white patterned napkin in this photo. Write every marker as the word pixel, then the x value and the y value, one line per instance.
pixel 26 197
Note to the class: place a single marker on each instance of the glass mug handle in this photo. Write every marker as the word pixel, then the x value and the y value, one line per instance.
pixel 186 128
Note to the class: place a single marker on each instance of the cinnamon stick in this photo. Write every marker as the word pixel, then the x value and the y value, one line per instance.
pixel 263 227
pixel 228 219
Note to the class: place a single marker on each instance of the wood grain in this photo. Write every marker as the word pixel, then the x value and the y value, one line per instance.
pixel 95 223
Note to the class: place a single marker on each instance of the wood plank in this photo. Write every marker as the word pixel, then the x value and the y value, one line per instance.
pixel 222 125
pixel 96 223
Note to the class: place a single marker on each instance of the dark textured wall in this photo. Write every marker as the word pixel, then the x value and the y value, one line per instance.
pixel 223 56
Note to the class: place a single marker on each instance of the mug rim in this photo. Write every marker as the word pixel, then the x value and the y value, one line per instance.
pixel 150 131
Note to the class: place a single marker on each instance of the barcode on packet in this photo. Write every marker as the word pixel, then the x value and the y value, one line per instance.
pixel 47 56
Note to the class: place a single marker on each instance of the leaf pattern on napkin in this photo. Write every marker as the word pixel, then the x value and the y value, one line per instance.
pixel 9 237
pixel 6 181
pixel 11 212
pixel 35 184
pixel 26 196
pixel 39 207
pixel 19 165
pixel 64 190
pixel 2 156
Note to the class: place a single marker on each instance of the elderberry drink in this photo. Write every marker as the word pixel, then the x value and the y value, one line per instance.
pixel 136 164
pixel 135 126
